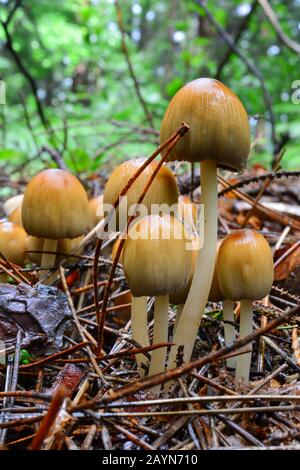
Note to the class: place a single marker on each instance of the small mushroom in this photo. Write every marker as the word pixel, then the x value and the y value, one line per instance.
pixel 13 245
pixel 156 263
pixel 55 207
pixel 245 273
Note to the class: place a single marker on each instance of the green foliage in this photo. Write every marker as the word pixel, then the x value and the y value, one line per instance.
pixel 72 49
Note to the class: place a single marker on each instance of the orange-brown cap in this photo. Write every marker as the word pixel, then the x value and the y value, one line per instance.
pixel 16 216
pixel 219 128
pixel 13 242
pixel 245 266
pixel 155 258
pixel 163 189
pixel 55 206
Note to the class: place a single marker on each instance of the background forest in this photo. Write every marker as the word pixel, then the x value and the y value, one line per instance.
pixel 87 81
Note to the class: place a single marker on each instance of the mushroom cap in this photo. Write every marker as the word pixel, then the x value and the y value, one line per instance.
pixel 55 206
pixel 96 209
pixel 219 127
pixel 215 293
pixel 13 242
pixel 245 266
pixel 155 258
pixel 163 189
pixel 16 216
pixel 181 296
pixel 12 203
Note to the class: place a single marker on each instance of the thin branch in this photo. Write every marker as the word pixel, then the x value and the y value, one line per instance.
pixel 130 66
pixel 236 38
pixel 250 66
pixel 270 14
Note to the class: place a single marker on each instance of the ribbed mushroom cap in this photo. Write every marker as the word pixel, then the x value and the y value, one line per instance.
pixel 215 293
pixel 16 216
pixel 245 266
pixel 55 206
pixel 163 189
pixel 157 262
pixel 219 128
pixel 96 209
pixel 13 242
pixel 181 296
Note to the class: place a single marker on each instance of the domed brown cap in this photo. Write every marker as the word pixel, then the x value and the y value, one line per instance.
pixel 155 263
pixel 16 216
pixel 163 189
pixel 55 206
pixel 13 242
pixel 245 266
pixel 219 128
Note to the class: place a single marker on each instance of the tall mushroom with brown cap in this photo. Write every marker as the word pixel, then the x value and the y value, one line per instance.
pixel 156 263
pixel 163 190
pixel 245 273
pixel 55 206
pixel 13 244
pixel 219 136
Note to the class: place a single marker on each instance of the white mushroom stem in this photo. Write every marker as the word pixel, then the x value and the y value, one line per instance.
pixel 194 308
pixel 48 259
pixel 177 318
pixel 139 328
pixel 229 330
pixel 243 362
pixel 160 334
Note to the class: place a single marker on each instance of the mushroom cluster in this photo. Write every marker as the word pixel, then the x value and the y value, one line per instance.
pixel 167 254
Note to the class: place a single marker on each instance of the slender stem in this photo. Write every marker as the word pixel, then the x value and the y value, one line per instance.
pixel 48 259
pixel 139 328
pixel 178 316
pixel 229 330
pixel 194 308
pixel 246 325
pixel 160 334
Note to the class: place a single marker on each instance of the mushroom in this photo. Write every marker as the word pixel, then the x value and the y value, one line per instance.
pixel 245 273
pixel 13 245
pixel 12 203
pixel 187 211
pixel 156 263
pixel 55 206
pixel 16 216
pixel 163 190
pixel 124 297
pixel 216 295
pixel 96 209
pixel 219 136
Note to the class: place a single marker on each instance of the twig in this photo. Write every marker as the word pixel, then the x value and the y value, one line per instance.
pixel 130 66
pixel 270 14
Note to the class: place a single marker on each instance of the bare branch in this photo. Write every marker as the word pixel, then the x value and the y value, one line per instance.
pixel 130 66
pixel 270 14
